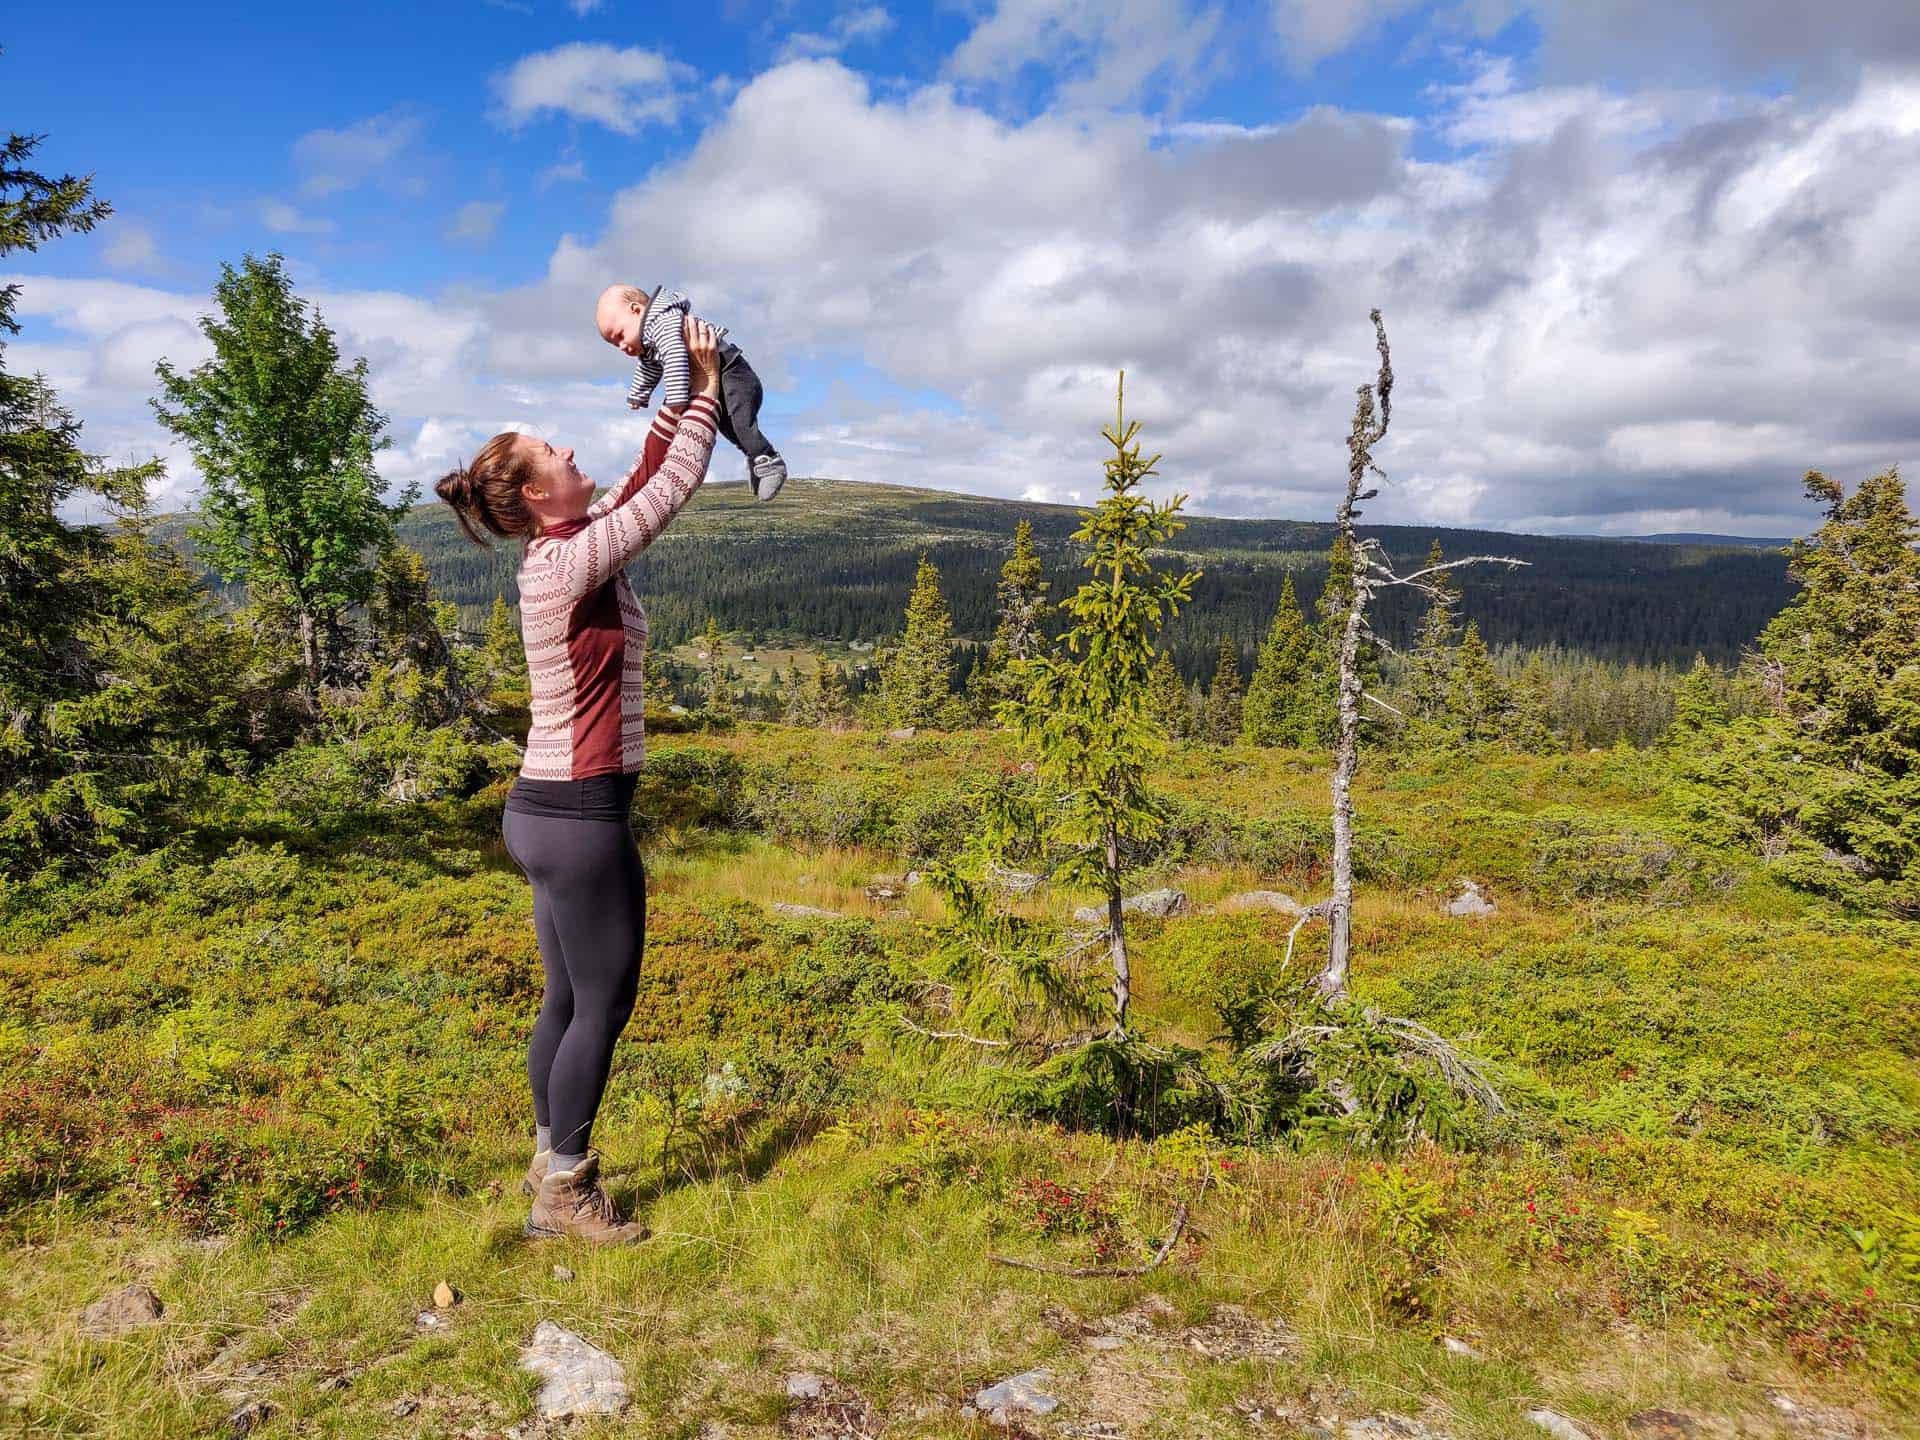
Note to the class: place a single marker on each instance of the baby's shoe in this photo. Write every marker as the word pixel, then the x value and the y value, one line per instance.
pixel 769 474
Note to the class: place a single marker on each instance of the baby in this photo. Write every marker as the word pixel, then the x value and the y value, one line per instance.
pixel 647 327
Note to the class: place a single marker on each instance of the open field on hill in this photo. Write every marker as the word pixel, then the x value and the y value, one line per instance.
pixel 278 1080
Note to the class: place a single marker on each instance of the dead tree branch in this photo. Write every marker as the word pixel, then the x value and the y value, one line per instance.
pixel 1104 1272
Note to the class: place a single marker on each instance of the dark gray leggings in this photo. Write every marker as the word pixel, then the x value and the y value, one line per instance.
pixel 590 914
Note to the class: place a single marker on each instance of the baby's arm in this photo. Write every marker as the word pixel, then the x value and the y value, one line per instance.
pixel 669 345
pixel 646 375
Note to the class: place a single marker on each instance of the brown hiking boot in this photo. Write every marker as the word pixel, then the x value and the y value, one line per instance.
pixel 536 1172
pixel 574 1202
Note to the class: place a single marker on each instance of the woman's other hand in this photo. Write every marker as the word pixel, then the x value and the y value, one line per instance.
pixel 703 356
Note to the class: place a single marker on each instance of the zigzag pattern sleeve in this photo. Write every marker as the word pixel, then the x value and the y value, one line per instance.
pixel 586 559
pixel 659 435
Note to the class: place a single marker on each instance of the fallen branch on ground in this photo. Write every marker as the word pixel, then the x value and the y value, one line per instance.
pixel 1105 1272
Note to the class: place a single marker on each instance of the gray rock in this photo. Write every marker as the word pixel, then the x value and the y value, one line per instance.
pixel 1261 900
pixel 1016 882
pixel 127 1308
pixel 1106 1342
pixel 577 1376
pixel 803 912
pixel 1470 902
pixel 1662 1425
pixel 1156 904
pixel 562 1274
pixel 1022 1394
pixel 886 890
pixel 914 877
pixel 430 1320
pixel 805 1385
pixel 905 732
pixel 1384 1426
pixel 1557 1425
pixel 1453 1345
pixel 400 1409
pixel 248 1418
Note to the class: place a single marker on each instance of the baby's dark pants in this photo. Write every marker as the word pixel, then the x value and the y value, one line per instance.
pixel 740 397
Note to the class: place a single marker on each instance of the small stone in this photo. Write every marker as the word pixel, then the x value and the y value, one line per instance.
pixel 803 912
pixel 1557 1425
pixel 562 1274
pixel 1261 900
pixel 1022 1394
pixel 1106 1342
pixel 1470 902
pixel 333 1384
pixel 905 732
pixel 914 877
pixel 430 1320
pixel 885 890
pixel 248 1418
pixel 444 1297
pixel 578 1377
pixel 1454 1345
pixel 400 1409
pixel 127 1308
pixel 1663 1425
pixel 805 1385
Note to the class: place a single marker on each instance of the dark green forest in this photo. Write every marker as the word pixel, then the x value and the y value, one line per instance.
pixel 834 560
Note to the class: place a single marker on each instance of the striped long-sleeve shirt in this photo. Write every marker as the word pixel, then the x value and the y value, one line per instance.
pixel 663 353
pixel 584 629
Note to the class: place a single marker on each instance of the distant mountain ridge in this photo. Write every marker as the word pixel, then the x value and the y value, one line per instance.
pixel 835 560
pixel 1689 537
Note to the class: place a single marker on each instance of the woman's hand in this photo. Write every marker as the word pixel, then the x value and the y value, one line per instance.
pixel 703 357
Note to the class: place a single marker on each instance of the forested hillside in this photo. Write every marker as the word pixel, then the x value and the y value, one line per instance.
pixel 834 561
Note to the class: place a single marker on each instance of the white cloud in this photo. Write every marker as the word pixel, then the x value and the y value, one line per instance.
pixel 1585 298
pixel 284 219
pixel 380 149
pixel 584 8
pixel 130 247
pixel 562 172
pixel 1312 30
pixel 849 27
pixel 1102 52
pixel 623 90
pixel 475 222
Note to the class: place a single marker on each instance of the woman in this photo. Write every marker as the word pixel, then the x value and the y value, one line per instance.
pixel 566 822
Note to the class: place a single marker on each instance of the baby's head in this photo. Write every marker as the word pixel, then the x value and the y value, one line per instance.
pixel 620 315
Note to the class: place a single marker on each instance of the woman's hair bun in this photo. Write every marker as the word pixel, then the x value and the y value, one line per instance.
pixel 456 487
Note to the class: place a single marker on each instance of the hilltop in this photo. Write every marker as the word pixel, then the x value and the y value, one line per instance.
pixel 834 560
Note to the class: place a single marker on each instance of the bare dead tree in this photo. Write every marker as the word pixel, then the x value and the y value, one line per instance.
pixel 1372 571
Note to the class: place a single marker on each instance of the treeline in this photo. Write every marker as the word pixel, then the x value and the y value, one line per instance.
pixel 837 561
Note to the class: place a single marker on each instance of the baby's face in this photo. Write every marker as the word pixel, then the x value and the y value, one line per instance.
pixel 620 324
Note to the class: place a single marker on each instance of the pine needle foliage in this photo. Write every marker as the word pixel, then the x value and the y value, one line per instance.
pixel 918 679
pixel 1279 707
pixel 1083 713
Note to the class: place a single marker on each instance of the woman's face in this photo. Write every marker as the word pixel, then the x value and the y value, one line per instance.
pixel 557 491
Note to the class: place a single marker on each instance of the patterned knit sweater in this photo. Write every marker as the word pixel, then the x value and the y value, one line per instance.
pixel 582 625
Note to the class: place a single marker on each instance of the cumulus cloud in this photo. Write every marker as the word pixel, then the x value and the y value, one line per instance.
pixel 1101 52
pixel 380 149
pixel 475 222
pixel 623 90
pixel 284 219
pixel 584 8
pixel 1612 310
pixel 130 247
pixel 849 27
pixel 1312 30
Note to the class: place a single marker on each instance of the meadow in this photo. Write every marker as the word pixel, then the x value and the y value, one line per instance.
pixel 276 1074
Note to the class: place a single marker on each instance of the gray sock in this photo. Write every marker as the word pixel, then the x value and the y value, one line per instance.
pixel 558 1163
pixel 542 1138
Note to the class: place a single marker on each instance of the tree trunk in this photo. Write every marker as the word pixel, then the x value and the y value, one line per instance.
pixel 1332 981
pixel 1117 930
pixel 310 650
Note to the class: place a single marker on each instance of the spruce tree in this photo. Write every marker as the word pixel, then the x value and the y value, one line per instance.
pixel 504 656
pixel 1279 708
pixel 1167 699
pixel 716 693
pixel 1828 784
pixel 918 679
pixel 1529 720
pixel 285 438
pixel 832 698
pixel 1476 696
pixel 1019 602
pixel 1224 696
pixel 1083 711
pixel 1697 705
pixel 1430 665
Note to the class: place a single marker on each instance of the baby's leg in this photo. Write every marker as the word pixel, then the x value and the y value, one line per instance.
pixel 740 423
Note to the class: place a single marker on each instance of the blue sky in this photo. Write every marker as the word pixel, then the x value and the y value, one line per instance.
pixel 1643 262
